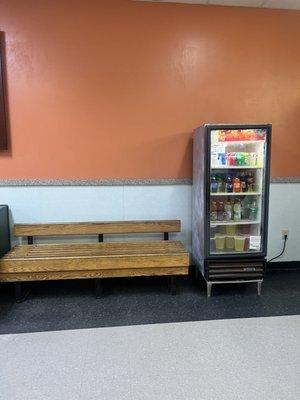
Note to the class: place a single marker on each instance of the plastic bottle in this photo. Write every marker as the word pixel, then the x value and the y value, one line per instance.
pixel 244 209
pixel 253 210
pixel 237 210
pixel 213 211
pixel 220 210
pixel 228 184
pixel 236 184
pixel 220 183
pixel 250 182
pixel 227 211
pixel 243 182
pixel 213 184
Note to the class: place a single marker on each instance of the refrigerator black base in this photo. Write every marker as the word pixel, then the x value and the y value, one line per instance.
pixel 220 271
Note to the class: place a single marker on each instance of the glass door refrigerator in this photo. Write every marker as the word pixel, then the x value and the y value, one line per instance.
pixel 231 175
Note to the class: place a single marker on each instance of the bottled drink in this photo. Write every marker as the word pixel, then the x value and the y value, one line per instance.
pixel 213 211
pixel 250 182
pixel 253 210
pixel 244 209
pixel 247 159
pixel 231 159
pixel 236 184
pixel 213 184
pixel 252 159
pixel 243 182
pixel 228 184
pixel 237 210
pixel 220 183
pixel 240 158
pixel 227 211
pixel 220 211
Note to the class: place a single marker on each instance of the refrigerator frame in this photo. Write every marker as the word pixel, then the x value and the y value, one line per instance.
pixel 266 180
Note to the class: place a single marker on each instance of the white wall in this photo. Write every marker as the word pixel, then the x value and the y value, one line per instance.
pixel 54 204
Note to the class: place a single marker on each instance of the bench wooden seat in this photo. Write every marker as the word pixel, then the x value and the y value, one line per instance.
pixel 33 262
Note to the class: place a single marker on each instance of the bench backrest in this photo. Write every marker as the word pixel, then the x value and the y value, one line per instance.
pixel 97 228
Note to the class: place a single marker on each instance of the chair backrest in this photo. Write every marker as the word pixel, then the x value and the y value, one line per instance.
pixel 97 228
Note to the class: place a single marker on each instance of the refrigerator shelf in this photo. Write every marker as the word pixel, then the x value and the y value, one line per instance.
pixel 231 251
pixel 242 142
pixel 235 194
pixel 243 222
pixel 235 167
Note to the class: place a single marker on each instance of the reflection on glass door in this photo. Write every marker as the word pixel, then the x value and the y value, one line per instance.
pixel 237 165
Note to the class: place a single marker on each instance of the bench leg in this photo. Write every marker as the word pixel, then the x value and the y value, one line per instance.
pixel 20 294
pixel 173 285
pixel 99 288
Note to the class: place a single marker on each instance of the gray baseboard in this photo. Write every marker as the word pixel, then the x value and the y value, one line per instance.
pixel 283 265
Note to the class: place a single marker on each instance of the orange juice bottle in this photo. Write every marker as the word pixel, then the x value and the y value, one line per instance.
pixel 236 184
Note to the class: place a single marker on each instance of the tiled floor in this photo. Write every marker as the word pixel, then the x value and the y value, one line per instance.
pixel 246 359
pixel 136 301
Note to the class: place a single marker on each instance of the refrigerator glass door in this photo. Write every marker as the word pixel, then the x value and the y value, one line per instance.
pixel 237 185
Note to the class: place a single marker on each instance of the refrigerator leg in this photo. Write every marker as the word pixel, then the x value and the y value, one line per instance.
pixel 208 287
pixel 259 288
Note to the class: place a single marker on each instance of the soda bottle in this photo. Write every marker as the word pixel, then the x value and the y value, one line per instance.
pixel 253 210
pixel 220 207
pixel 236 184
pixel 243 182
pixel 239 158
pixel 220 183
pixel 213 211
pixel 228 184
pixel 250 182
pixel 237 210
pixel 252 159
pixel 247 159
pixel 213 184
pixel 227 211
pixel 231 158
pixel 244 209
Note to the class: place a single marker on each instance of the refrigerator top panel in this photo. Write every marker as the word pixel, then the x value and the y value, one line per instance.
pixel 238 161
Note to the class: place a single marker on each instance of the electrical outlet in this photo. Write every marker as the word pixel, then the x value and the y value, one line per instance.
pixel 285 232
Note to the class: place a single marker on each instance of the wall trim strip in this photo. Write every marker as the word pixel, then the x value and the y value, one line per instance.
pixel 115 182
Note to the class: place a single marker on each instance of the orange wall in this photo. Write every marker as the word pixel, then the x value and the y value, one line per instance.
pixel 114 89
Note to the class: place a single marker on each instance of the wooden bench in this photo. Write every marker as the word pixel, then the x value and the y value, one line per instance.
pixel 36 262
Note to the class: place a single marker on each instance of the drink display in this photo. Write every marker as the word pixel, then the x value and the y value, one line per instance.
pixel 236 186
pixel 231 170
